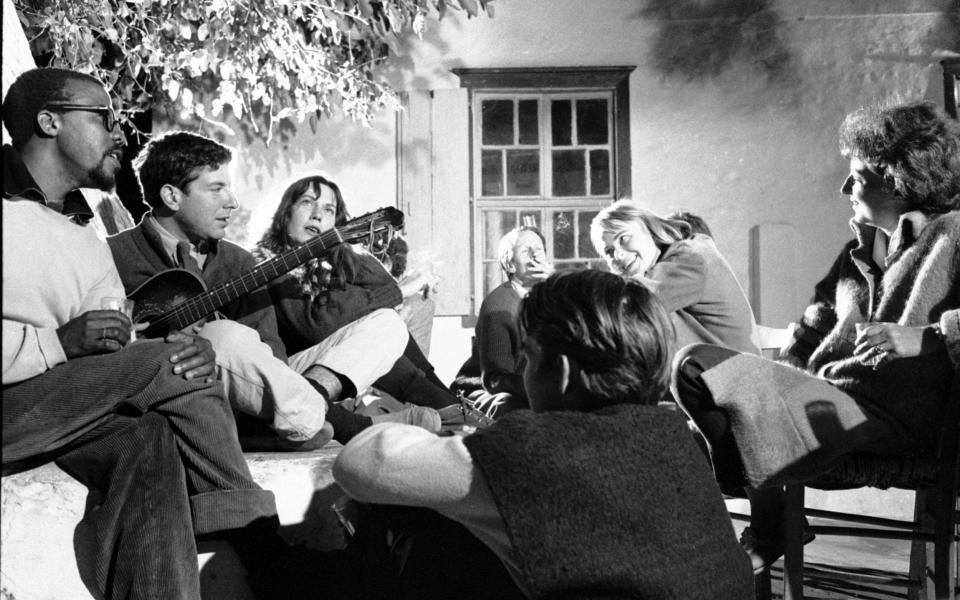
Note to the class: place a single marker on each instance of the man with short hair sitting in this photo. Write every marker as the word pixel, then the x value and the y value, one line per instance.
pixel 142 425
pixel 494 365
pixel 186 181
pixel 596 492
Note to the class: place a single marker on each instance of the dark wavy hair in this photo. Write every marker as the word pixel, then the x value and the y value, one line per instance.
pixel 615 328
pixel 176 158
pixel 916 148
pixel 30 93
pixel 276 239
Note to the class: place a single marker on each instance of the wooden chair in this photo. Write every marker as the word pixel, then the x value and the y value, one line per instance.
pixel 936 511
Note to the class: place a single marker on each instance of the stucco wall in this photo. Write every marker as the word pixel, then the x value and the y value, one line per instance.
pixel 734 105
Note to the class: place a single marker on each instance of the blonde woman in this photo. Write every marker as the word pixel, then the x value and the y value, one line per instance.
pixel 684 269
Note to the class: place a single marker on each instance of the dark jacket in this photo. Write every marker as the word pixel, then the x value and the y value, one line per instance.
pixel 18 182
pixel 304 321
pixel 139 255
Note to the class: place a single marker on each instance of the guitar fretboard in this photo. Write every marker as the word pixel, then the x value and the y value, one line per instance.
pixel 198 307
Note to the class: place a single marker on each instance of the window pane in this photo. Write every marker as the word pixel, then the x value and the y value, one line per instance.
pixel 572 265
pixel 523 172
pixel 560 122
pixel 531 218
pixel 563 235
pixel 491 173
pixel 599 172
pixel 497 122
pixel 592 121
pixel 495 224
pixel 584 218
pixel 529 119
pixel 569 173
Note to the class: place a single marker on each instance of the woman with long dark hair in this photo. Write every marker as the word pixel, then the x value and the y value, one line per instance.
pixel 348 285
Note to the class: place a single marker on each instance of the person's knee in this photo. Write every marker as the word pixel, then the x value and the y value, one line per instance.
pixel 391 328
pixel 231 340
pixel 689 363
pixel 692 360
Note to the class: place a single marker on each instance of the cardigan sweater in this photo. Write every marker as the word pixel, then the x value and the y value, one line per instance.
pixel 707 303
pixel 617 503
pixel 40 293
pixel 770 403
pixel 139 255
pixel 305 322
pixel 498 342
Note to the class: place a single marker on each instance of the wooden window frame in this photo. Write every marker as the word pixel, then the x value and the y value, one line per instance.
pixel 951 77
pixel 613 80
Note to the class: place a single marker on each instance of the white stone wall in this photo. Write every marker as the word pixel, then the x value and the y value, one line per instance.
pixel 735 120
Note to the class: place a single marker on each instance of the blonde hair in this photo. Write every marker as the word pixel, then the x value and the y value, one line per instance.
pixel 615 218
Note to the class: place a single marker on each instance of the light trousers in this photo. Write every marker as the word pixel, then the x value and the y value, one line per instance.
pixel 260 384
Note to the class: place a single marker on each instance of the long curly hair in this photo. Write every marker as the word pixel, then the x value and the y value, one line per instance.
pixel 916 147
pixel 314 277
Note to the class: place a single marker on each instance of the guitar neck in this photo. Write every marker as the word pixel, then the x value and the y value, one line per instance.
pixel 202 305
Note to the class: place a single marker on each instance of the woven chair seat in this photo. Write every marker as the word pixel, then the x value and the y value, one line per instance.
pixel 864 470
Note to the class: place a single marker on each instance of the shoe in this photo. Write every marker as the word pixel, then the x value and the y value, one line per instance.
pixel 763 551
pixel 421 416
pixel 464 417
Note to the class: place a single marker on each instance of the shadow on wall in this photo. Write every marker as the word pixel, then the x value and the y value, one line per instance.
pixel 699 39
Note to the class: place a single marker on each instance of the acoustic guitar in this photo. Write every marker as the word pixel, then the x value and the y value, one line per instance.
pixel 176 298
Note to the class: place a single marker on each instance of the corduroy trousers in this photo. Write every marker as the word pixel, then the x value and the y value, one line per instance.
pixel 159 455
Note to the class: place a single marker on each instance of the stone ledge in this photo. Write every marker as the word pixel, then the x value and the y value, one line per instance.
pixel 41 508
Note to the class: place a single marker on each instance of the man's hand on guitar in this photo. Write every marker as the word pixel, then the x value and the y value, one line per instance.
pixel 193 358
pixel 95 332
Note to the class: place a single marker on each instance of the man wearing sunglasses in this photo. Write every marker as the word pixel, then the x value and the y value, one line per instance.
pixel 143 425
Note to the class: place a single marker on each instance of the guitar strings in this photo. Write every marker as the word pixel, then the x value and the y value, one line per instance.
pixel 190 309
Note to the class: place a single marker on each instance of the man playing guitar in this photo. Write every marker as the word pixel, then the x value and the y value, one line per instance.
pixel 186 181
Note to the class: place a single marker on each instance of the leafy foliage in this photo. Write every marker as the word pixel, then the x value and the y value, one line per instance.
pixel 264 60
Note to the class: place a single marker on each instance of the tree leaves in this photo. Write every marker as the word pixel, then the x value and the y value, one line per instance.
pixel 264 59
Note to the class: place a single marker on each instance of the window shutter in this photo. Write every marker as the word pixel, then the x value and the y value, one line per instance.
pixel 434 167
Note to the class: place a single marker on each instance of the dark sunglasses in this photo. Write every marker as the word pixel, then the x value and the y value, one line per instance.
pixel 110 117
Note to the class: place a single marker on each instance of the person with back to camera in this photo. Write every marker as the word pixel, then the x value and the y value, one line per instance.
pixel 316 300
pixel 871 362
pixel 685 270
pixel 595 492
pixel 494 365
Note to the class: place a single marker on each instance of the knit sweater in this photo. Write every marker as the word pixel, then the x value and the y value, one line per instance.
pixel 920 286
pixel 39 293
pixel 498 342
pixel 707 303
pixel 771 406
pixel 139 255
pixel 618 503
pixel 305 322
